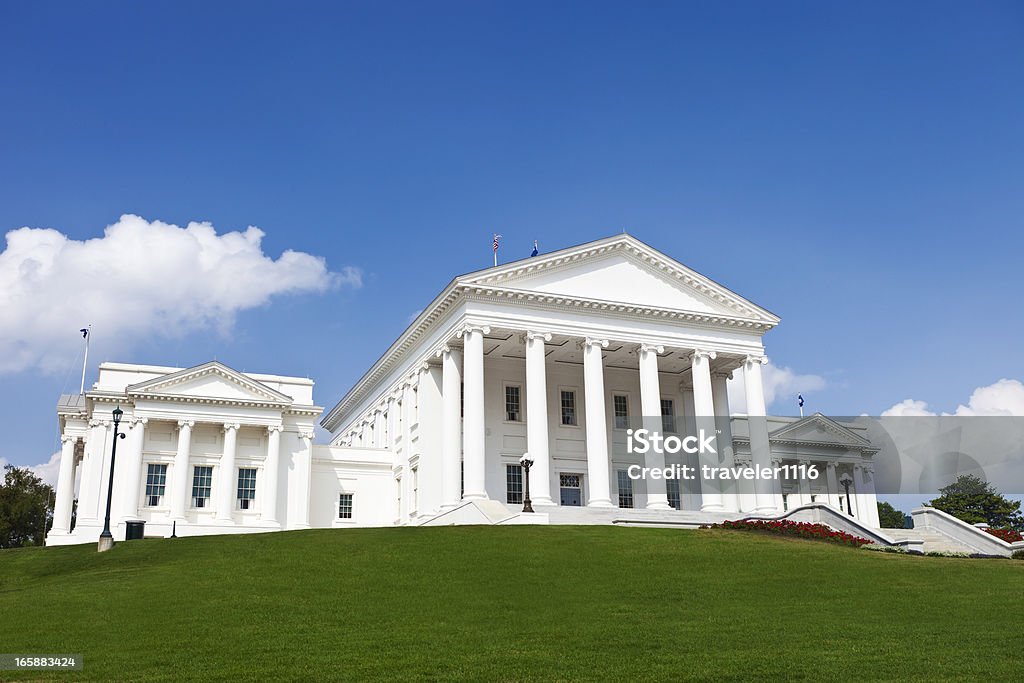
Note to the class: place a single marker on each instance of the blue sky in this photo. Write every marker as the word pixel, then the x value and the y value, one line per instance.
pixel 856 169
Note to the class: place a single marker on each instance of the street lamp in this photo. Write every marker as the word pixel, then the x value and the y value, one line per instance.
pixel 527 464
pixel 106 538
pixel 846 480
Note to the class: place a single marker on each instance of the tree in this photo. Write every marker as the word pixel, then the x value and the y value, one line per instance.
pixel 890 518
pixel 26 508
pixel 974 500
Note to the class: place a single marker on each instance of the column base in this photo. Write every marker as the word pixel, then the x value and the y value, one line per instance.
pixel 658 505
pixel 474 496
pixel 713 507
pixel 600 503
pixel 542 502
pixel 765 510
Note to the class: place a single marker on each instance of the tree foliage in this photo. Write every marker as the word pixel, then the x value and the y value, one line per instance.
pixel 26 508
pixel 974 500
pixel 891 518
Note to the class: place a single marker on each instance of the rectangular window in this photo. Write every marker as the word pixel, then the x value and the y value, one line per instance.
pixel 246 488
pixel 625 489
pixel 785 502
pixel 568 403
pixel 156 483
pixel 415 488
pixel 513 484
pixel 345 506
pixel 668 415
pixel 672 489
pixel 620 404
pixel 513 404
pixel 202 481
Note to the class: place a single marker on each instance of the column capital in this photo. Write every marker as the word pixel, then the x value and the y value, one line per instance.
pixel 647 348
pixel 703 353
pixel 727 374
pixel 830 465
pixel 65 438
pixel 592 341
pixel 446 349
pixel 468 328
pixel 759 360
pixel 186 423
pixel 531 335
pixel 274 428
pixel 306 434
pixel 231 425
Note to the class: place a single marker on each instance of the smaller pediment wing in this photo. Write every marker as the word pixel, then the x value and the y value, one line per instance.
pixel 212 380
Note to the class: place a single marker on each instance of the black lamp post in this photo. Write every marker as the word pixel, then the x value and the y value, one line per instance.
pixel 527 464
pixel 106 538
pixel 846 480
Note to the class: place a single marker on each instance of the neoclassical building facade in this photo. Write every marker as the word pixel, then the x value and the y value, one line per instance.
pixel 557 356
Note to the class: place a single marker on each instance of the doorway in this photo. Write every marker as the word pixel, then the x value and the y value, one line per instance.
pixel 571 489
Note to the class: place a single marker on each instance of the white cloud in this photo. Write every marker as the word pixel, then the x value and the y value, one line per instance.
pixel 46 471
pixel 780 384
pixel 49 470
pixel 1005 397
pixel 140 280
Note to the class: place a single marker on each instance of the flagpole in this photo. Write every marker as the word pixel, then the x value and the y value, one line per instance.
pixel 85 361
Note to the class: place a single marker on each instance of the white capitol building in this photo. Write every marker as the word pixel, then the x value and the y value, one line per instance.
pixel 555 356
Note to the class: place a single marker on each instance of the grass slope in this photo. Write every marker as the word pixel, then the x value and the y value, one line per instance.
pixel 510 603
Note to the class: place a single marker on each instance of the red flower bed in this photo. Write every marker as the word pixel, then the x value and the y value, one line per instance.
pixel 784 527
pixel 1008 535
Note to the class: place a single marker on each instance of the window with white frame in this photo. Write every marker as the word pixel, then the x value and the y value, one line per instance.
pixel 345 506
pixel 202 482
pixel 672 489
pixel 513 484
pixel 668 415
pixel 625 489
pixel 513 403
pixel 620 404
pixel 246 487
pixel 415 488
pixel 785 502
pixel 156 484
pixel 568 405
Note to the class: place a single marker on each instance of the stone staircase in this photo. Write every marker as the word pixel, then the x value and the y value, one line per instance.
pixel 934 542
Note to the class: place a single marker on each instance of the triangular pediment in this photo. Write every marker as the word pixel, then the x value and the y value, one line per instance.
pixel 211 381
pixel 820 429
pixel 620 270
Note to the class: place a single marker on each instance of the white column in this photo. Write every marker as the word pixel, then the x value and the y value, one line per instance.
pixel 227 478
pixel 805 483
pixel 391 422
pixel 131 482
pixel 271 468
pixel 303 473
pixel 757 423
pixel 650 409
pixel 65 486
pixel 720 391
pixel 704 412
pixel 597 424
pixel 871 497
pixel 180 487
pixel 473 422
pixel 451 426
pixel 832 480
pixel 537 443
pixel 860 498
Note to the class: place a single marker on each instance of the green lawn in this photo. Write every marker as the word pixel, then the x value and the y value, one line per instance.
pixel 511 603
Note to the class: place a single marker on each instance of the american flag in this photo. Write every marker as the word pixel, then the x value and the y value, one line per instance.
pixel 496 238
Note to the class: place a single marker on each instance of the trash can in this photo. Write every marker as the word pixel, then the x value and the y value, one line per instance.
pixel 134 529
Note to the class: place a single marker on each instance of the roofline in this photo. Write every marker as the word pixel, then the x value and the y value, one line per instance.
pixel 456 281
